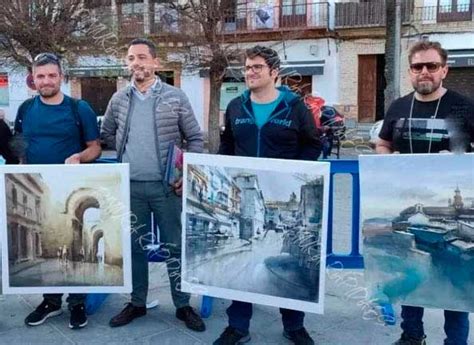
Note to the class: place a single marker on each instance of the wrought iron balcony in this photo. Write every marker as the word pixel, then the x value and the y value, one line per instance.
pixel 372 14
pixel 461 11
pixel 245 18
pixel 290 15
pixel 367 14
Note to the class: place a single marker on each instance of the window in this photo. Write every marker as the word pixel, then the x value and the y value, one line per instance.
pixel 132 8
pixel 454 10
pixel 14 197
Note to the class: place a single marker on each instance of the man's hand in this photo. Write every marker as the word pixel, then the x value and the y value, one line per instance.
pixel 74 159
pixel 178 187
pixel 383 147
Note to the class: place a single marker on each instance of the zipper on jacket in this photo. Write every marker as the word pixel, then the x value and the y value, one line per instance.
pixel 258 142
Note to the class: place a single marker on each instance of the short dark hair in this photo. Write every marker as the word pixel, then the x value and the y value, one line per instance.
pixel 43 59
pixel 268 54
pixel 427 45
pixel 151 46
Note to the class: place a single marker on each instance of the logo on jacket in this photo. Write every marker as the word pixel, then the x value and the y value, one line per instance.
pixel 246 121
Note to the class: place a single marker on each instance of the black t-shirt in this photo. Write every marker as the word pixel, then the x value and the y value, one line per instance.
pixel 451 128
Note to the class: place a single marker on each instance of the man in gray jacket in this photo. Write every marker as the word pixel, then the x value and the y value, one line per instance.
pixel 142 121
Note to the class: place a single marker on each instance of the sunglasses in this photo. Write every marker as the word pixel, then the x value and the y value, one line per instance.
pixel 431 67
pixel 46 57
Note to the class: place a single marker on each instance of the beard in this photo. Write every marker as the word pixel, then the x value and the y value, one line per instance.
pixel 48 92
pixel 141 75
pixel 426 87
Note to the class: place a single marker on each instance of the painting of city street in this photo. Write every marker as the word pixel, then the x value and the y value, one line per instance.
pixel 418 227
pixel 255 229
pixel 65 228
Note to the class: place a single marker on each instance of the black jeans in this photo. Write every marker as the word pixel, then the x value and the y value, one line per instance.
pixel 72 300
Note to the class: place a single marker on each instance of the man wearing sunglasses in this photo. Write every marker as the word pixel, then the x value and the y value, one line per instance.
pixel 271 122
pixel 56 129
pixel 431 119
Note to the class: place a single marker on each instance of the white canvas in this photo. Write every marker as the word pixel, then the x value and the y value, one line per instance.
pixel 418 227
pixel 65 228
pixel 254 230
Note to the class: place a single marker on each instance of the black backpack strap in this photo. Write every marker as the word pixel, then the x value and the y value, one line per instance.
pixel 77 120
pixel 20 115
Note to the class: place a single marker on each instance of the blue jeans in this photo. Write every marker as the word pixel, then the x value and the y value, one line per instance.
pixel 240 314
pixel 456 325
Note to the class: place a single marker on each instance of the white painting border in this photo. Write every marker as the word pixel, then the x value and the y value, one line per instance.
pixel 268 164
pixel 366 162
pixel 123 170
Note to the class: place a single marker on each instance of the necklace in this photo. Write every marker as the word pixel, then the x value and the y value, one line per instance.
pixel 432 126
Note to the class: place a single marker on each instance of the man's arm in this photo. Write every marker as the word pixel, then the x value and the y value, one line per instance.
pixel 309 136
pixel 189 126
pixel 90 154
pixel 383 146
pixel 90 133
pixel 109 127
pixel 5 141
pixel 226 146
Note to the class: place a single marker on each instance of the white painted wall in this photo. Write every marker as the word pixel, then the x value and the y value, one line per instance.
pixel 17 92
pixel 327 85
pixel 452 41
pixel 193 87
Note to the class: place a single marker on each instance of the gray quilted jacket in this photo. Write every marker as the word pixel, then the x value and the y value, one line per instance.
pixel 174 119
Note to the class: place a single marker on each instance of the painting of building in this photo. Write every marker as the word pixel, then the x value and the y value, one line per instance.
pixel 419 237
pixel 67 236
pixel 255 229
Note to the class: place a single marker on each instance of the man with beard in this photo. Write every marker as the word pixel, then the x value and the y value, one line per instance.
pixel 431 119
pixel 56 129
pixel 143 121
pixel 272 122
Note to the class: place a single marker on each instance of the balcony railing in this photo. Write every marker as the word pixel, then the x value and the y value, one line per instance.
pixel 443 14
pixel 248 18
pixel 367 14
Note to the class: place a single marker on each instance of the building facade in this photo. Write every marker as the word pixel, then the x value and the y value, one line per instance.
pixel 333 49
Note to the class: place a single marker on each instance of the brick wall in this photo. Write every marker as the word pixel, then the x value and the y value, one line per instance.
pixel 348 71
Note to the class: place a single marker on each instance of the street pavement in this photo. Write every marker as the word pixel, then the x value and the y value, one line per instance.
pixel 348 317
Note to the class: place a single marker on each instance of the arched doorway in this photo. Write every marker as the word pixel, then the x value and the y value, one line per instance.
pixel 79 225
pixel 98 247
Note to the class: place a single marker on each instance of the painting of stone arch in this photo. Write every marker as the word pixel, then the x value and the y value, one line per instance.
pixel 65 228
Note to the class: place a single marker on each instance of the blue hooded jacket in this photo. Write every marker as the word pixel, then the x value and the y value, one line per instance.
pixel 289 133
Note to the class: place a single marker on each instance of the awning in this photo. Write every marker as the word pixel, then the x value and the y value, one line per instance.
pixel 98 71
pixel 461 58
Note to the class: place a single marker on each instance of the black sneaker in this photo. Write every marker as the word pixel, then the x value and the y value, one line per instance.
pixel 42 312
pixel 407 340
pixel 192 320
pixel 299 337
pixel 78 316
pixel 231 336
pixel 127 315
